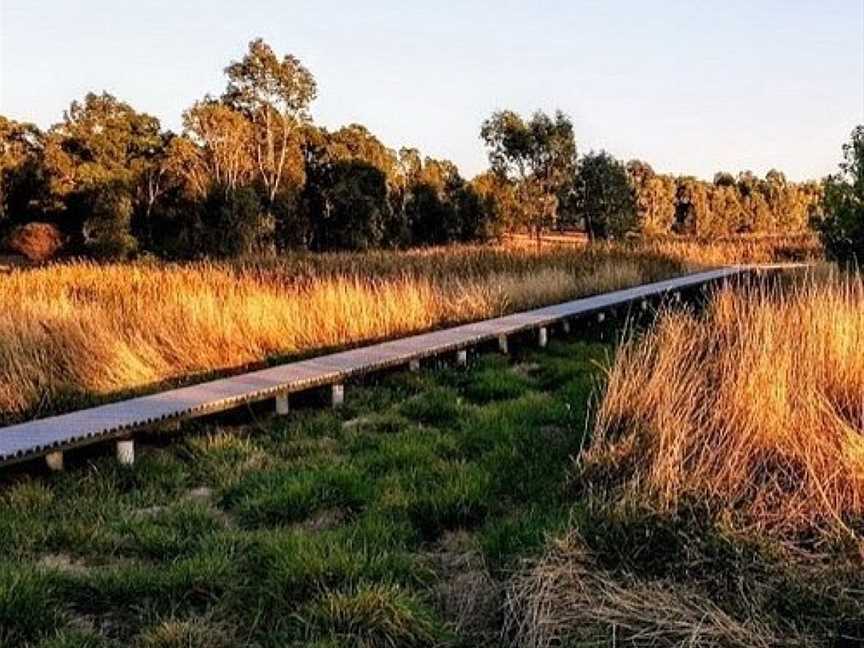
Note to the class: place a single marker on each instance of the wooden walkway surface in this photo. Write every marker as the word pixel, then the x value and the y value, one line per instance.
pixel 50 436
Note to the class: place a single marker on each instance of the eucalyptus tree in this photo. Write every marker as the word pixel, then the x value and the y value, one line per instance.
pixel 538 156
pixel 275 94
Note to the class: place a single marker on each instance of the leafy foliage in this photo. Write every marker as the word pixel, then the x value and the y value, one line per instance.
pixel 603 196
pixel 538 156
pixel 842 223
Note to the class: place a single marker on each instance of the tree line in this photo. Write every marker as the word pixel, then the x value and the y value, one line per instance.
pixel 251 172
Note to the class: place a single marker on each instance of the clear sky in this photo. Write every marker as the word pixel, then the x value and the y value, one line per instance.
pixel 689 86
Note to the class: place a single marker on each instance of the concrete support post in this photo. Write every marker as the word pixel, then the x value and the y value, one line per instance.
pixel 542 337
pixel 462 357
pixel 414 365
pixel 643 304
pixel 565 326
pixel 601 317
pixel 676 297
pixel 502 343
pixel 337 397
pixel 282 405
pixel 54 461
pixel 125 452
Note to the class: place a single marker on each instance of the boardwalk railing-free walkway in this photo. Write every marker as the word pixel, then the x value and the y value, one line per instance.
pixel 49 437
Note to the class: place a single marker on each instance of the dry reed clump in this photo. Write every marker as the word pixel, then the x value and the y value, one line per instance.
pixel 566 598
pixel 755 408
pixel 699 253
pixel 73 332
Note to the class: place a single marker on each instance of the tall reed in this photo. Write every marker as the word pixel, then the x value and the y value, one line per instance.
pixel 755 409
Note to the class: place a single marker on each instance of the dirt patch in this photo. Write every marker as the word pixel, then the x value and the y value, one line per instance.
pixel 63 563
pixel 356 422
pixel 467 594
pixel 204 495
pixel 201 494
pixel 149 511
pixel 323 520
pixel 526 369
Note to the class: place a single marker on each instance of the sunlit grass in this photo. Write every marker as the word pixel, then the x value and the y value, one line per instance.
pixel 757 406
pixel 78 332
pixel 75 332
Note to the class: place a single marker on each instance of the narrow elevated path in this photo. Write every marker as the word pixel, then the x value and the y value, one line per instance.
pixel 50 436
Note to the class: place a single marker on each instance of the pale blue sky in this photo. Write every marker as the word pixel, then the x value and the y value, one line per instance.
pixel 690 86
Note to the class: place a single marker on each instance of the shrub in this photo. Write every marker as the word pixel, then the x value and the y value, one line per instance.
pixel 842 222
pixel 107 229
pixel 233 223
pixel 38 242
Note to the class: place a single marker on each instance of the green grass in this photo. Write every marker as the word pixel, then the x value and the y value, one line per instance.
pixel 323 528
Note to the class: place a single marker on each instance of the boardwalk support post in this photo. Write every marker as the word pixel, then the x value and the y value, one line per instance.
pixel 282 405
pixel 565 326
pixel 462 357
pixel 643 304
pixel 125 452
pixel 502 343
pixel 601 317
pixel 54 461
pixel 337 395
pixel 542 337
pixel 414 365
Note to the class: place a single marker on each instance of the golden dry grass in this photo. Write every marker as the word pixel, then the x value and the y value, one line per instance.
pixel 73 332
pixel 698 253
pixel 755 408
pixel 77 332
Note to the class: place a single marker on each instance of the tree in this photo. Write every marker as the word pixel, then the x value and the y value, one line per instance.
pixel 94 160
pixel 724 179
pixel 20 177
pixel 654 197
pixel 498 198
pixel 538 156
pixel 216 149
pixel 275 95
pixel 107 230
pixel 231 223
pixel 345 202
pixel 354 207
pixel 603 196
pixel 842 207
pixel 433 212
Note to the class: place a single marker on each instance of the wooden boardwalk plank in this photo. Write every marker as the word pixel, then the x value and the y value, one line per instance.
pixel 38 437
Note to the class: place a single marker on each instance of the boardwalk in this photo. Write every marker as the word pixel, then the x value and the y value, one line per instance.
pixel 116 421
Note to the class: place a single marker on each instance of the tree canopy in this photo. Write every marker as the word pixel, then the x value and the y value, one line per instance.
pixel 537 156
pixel 250 172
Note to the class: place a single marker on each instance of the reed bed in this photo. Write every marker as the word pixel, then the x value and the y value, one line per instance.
pixel 73 333
pixel 755 409
pixel 721 493
pixel 79 332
